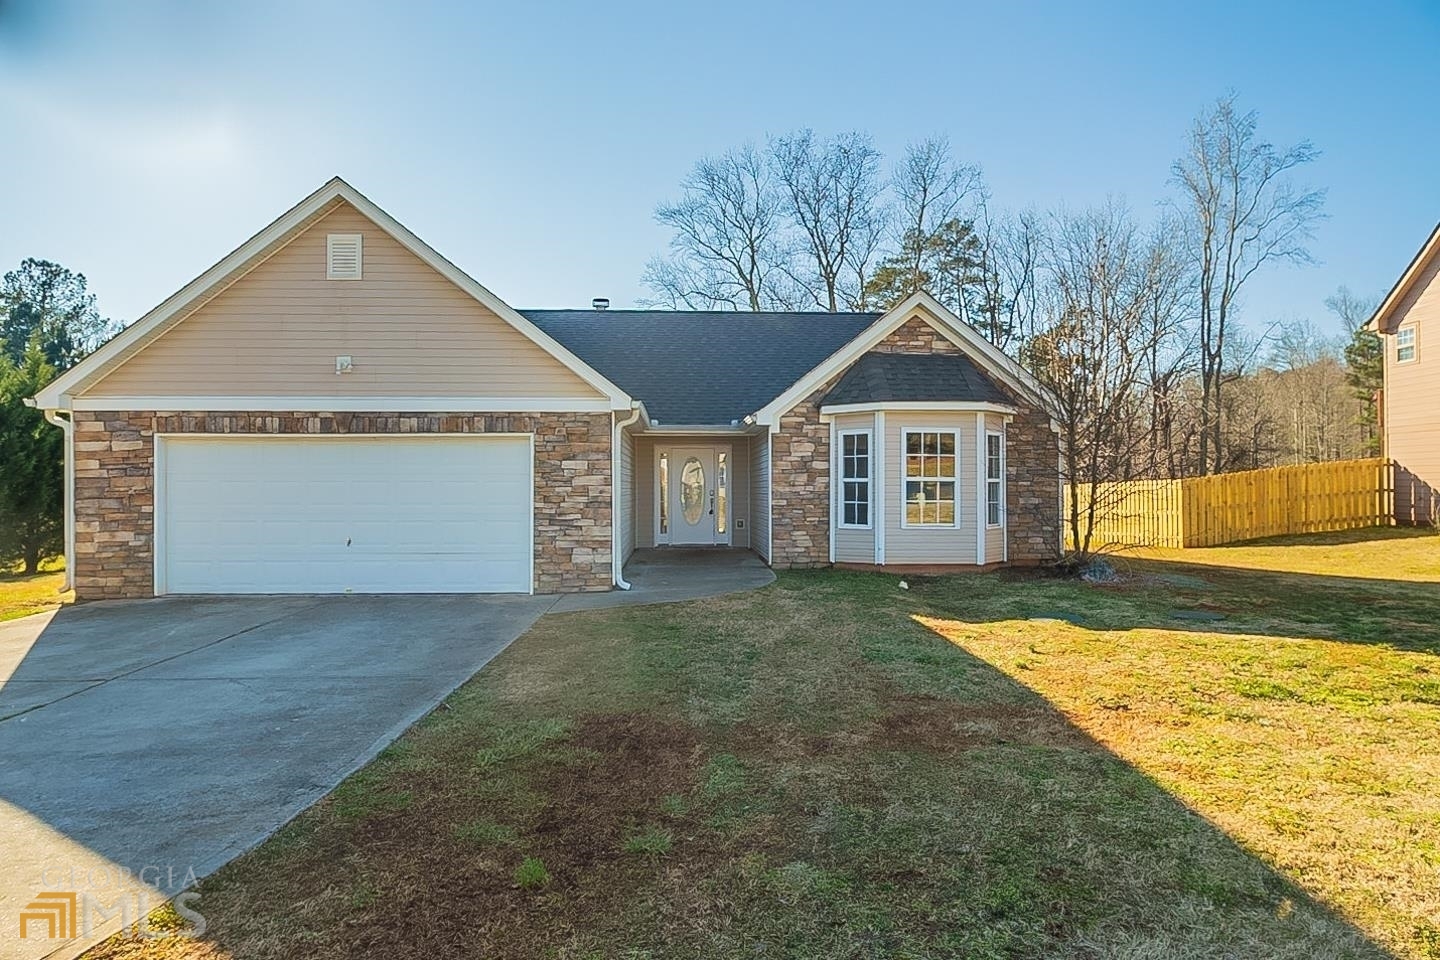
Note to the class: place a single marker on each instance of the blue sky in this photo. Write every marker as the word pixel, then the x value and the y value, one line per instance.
pixel 530 143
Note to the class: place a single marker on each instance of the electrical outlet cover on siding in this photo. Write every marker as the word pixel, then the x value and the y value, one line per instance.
pixel 343 256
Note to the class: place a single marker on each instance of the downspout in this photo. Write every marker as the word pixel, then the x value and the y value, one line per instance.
pixel 617 562
pixel 69 427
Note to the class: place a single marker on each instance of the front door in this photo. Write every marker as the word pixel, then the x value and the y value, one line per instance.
pixel 695 483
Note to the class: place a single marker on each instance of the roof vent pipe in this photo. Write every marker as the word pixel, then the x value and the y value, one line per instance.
pixel 601 303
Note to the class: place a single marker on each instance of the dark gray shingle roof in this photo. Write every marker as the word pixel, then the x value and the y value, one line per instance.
pixel 882 377
pixel 691 367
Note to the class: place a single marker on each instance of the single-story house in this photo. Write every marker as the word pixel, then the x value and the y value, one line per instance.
pixel 1408 323
pixel 336 407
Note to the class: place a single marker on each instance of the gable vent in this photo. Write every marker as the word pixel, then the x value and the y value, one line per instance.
pixel 342 256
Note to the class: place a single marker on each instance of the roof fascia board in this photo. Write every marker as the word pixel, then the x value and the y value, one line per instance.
pixel 1402 286
pixel 470 285
pixel 677 429
pixel 57 395
pixel 892 406
pixel 210 284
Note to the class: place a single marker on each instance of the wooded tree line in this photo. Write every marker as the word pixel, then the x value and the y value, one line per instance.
pixel 1132 323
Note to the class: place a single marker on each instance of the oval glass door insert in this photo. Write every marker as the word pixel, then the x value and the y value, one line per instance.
pixel 692 491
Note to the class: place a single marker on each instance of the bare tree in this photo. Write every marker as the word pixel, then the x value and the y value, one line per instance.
pixel 832 190
pixel 1005 303
pixel 1090 355
pixel 1169 354
pixel 727 249
pixel 1243 212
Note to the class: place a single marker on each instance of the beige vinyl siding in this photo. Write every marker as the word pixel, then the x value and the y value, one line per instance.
pixel 853 545
pixel 647 483
pixel 760 495
pixel 627 495
pixel 995 536
pixel 1412 390
pixel 931 544
pixel 277 331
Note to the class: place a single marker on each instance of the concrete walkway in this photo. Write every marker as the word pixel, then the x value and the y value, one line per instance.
pixel 672 574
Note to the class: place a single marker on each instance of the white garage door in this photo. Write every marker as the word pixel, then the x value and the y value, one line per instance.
pixel 329 515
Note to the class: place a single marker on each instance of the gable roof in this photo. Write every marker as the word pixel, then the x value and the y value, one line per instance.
pixel 701 368
pixel 983 353
pixel 57 394
pixel 903 377
pixel 1378 321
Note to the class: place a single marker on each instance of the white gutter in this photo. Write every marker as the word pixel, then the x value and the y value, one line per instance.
pixel 617 562
pixel 69 427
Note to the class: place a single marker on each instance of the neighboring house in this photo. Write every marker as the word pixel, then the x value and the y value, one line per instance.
pixel 335 407
pixel 1408 321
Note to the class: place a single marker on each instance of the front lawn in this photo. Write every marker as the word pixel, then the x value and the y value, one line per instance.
pixel 22 594
pixel 836 767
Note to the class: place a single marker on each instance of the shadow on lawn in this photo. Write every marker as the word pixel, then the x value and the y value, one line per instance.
pixel 833 780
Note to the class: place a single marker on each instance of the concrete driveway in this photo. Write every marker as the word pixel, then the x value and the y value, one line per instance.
pixel 143 741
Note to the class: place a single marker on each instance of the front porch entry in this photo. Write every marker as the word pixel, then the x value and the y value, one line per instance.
pixel 693 500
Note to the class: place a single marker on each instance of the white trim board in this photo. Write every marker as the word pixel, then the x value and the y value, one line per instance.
pixel 932 312
pixel 878 468
pixel 939 406
pixel 59 393
pixel 1402 286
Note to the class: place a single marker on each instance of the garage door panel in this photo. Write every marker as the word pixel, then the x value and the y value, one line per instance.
pixel 326 515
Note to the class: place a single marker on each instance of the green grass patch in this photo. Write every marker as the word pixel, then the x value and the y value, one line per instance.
pixel 531 874
pixel 649 841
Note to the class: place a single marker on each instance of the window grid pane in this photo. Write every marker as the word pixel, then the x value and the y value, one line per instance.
pixel 1405 344
pixel 930 502
pixel 855 479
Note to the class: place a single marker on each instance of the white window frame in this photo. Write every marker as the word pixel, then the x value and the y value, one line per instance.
pixel 1414 345
pixel 999 482
pixel 868 479
pixel 954 479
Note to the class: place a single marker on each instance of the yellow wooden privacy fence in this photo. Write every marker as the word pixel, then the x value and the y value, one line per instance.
pixel 1230 507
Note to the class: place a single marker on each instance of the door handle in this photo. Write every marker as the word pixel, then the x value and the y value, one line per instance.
pixel 712 503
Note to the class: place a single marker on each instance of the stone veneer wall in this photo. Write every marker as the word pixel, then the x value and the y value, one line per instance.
pixel 115 493
pixel 1032 488
pixel 800 471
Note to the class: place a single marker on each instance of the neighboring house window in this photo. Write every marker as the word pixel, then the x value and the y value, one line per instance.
pixel 929 478
pixel 994 479
pixel 855 478
pixel 1404 344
